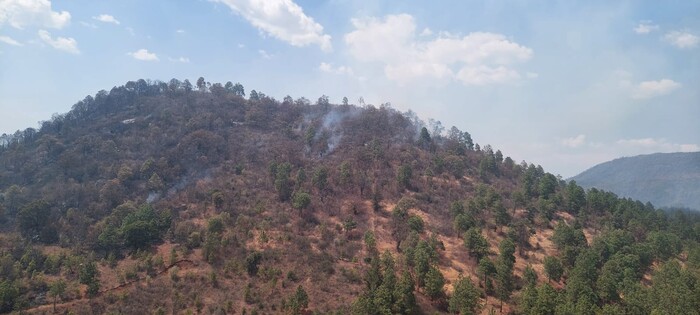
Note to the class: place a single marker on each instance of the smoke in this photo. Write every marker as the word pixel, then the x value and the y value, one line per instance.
pixel 331 124
pixel 152 197
pixel 186 180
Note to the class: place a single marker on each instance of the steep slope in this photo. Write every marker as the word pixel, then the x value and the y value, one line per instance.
pixel 664 179
pixel 158 198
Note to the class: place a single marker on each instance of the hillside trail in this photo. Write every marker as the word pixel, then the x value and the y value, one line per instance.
pixel 182 263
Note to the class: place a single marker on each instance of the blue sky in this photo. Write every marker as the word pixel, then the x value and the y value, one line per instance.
pixel 564 84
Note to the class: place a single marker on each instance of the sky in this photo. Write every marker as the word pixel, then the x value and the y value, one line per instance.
pixel 563 84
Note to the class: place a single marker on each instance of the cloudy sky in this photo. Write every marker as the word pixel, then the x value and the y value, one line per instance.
pixel 565 84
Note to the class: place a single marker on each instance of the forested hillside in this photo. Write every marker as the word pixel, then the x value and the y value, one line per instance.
pixel 171 198
pixel 665 179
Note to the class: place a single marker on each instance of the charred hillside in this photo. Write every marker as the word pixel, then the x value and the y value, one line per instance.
pixel 168 198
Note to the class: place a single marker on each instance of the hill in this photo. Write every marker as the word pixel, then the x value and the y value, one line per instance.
pixel 167 198
pixel 664 179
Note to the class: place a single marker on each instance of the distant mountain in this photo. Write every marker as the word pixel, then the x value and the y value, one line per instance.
pixel 664 179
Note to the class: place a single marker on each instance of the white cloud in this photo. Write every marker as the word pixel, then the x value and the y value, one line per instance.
pixel 574 142
pixel 483 75
pixel 645 27
pixel 264 54
pixel 649 89
pixel 682 40
pixel 144 55
pixel 180 59
pixel 10 41
pixel 426 32
pixel 130 30
pixel 180 31
pixel 649 145
pixel 21 13
pixel 475 59
pixel 89 25
pixel 341 70
pixel 281 19
pixel 69 45
pixel 689 147
pixel 106 18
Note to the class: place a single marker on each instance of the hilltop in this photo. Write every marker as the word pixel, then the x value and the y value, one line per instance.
pixel 162 198
pixel 664 179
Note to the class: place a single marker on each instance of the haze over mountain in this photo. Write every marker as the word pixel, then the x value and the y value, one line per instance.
pixel 664 179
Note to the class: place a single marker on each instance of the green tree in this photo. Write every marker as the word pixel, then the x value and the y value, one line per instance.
pixel 405 300
pixel 57 290
pixel 486 269
pixel 547 185
pixel 475 243
pixel 320 180
pixel 155 183
pixel 33 220
pixel 299 301
pixel 282 183
pixel 501 214
pixel 345 174
pixel 576 197
pixel 403 177
pixel 504 270
pixel 144 227
pixel 530 276
pixel 8 295
pixel 674 290
pixel 553 268
pixel 424 139
pixel 465 298
pixel 547 300
pixel 88 274
pixel 301 201
pixel 434 283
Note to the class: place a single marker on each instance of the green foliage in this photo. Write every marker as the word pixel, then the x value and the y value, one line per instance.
pixel 463 222
pixel 565 235
pixel 282 183
pixel 530 276
pixel 434 283
pixel 89 275
pixel 155 183
pixel 415 223
pixel 546 301
pixel 215 225
pixel 8 295
pixel 301 200
pixel 504 270
pixel 475 243
pixel 320 179
pixel 547 185
pixel 465 298
pixel 299 301
pixel 33 220
pixel 404 299
pixel 252 261
pixel 664 244
pixel 553 268
pixel 674 290
pixel 576 197
pixel 403 176
pixel 345 173
pixel 501 215
pixel 144 227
